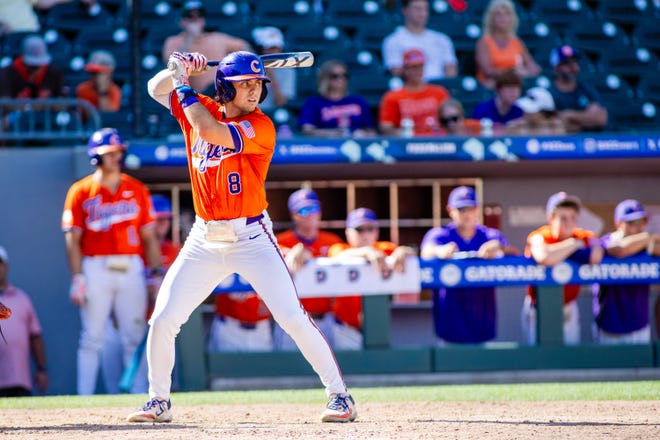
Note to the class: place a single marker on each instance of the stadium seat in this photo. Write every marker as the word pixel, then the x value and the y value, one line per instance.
pixel 595 38
pixel 465 89
pixel 613 89
pixel 629 62
pixel 283 13
pixel 75 16
pixel 647 34
pixel 626 13
pixel 465 36
pixel 371 37
pixel 316 38
pixel 370 83
pixel 538 35
pixel 636 115
pixel 560 14
pixel 356 13
pixel 648 88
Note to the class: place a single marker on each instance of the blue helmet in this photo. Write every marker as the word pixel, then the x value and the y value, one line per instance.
pixel 104 141
pixel 161 205
pixel 235 67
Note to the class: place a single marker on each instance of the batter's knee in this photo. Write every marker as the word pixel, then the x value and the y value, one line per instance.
pixel 297 323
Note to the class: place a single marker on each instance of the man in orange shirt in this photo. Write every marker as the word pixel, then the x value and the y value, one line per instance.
pixel 194 38
pixel 100 90
pixel 303 242
pixel 362 236
pixel 108 224
pixel 229 144
pixel 416 100
pixel 551 244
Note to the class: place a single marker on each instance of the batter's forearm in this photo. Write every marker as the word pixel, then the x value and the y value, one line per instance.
pixel 73 252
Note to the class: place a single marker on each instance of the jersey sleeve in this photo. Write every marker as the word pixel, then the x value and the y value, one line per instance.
pixel 389 110
pixel 253 134
pixel 73 216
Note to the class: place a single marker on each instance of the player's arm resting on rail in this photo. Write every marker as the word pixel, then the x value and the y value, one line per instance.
pixel 398 258
pixel 630 245
pixel 551 254
pixel 595 115
pixel 374 256
pixel 296 257
pixel 442 251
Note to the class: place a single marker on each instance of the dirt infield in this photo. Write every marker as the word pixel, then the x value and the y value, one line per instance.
pixel 376 421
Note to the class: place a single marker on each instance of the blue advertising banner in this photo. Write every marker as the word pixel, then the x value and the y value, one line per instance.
pixel 467 272
pixel 301 150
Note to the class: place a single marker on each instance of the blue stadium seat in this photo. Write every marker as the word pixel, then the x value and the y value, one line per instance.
pixel 636 115
pixel 356 13
pixel 648 88
pixel 560 14
pixel 629 62
pixel 283 13
pixel 596 37
pixel 613 89
pixel 647 34
pixel 465 89
pixel 625 13
pixel 75 16
pixel 316 38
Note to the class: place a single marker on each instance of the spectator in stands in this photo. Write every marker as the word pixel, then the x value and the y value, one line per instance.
pixel 362 236
pixel 22 332
pixel 578 104
pixel 306 241
pixel 540 114
pixel 499 49
pixel 283 82
pixel 334 112
pixel 437 47
pixel 31 75
pixel 621 311
pixel 465 315
pixel 451 116
pixel 20 15
pixel 194 38
pixel 502 110
pixel 100 90
pixel 560 239
pixel 417 101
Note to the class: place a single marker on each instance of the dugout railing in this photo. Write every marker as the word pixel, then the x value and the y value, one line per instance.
pixel 197 367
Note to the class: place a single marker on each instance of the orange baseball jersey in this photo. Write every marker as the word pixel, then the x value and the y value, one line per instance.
pixel 420 106
pixel 110 222
pixel 246 307
pixel 348 309
pixel 168 251
pixel 318 248
pixel 571 292
pixel 228 184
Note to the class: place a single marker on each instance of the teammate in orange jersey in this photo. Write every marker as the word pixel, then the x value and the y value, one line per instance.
pixel 303 242
pixel 108 223
pixel 362 236
pixel 553 243
pixel 230 144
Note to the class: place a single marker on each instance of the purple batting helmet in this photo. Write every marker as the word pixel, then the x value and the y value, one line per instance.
pixel 235 67
pixel 104 141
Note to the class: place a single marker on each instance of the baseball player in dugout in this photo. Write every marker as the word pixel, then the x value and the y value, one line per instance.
pixel 362 235
pixel 108 223
pixel 229 144
pixel 300 244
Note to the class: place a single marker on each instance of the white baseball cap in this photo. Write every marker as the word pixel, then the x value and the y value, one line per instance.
pixel 3 255
pixel 268 36
pixel 535 100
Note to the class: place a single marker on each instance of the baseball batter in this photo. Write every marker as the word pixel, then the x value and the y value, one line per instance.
pixel 229 144
pixel 108 224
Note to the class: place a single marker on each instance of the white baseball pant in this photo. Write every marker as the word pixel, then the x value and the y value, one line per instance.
pixel 571 327
pixel 200 266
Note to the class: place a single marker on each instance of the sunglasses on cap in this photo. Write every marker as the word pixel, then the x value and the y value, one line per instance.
pixel 342 75
pixel 307 210
pixel 365 228
pixel 449 119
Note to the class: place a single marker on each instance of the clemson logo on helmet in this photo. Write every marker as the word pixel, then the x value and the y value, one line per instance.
pixel 255 66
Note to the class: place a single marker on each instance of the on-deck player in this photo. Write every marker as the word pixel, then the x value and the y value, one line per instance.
pixel 108 222
pixel 229 145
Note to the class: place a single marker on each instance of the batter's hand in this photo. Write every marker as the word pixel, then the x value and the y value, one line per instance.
pixel 78 289
pixel 5 312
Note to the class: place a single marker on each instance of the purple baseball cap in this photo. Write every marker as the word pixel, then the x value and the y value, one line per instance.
pixel 304 199
pixel 359 217
pixel 462 197
pixel 561 198
pixel 562 53
pixel 629 210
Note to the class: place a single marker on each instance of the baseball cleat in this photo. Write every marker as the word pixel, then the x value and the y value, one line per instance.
pixel 340 408
pixel 155 410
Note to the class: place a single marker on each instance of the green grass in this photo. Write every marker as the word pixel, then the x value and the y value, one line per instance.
pixel 642 390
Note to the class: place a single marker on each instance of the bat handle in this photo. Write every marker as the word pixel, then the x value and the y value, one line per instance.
pixel 171 65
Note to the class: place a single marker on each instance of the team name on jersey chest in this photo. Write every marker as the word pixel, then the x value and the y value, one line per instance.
pixel 101 216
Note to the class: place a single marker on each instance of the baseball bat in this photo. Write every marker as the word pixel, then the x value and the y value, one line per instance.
pixel 274 60
pixel 128 376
